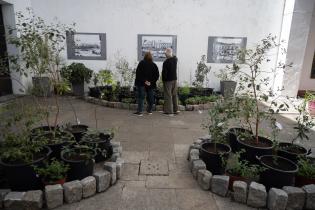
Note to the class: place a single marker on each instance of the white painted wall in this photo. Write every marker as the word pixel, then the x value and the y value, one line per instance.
pixel 191 20
pixel 306 83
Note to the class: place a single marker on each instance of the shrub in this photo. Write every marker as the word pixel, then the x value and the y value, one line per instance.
pixel 76 73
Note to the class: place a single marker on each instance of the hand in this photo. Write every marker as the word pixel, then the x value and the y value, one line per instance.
pixel 147 83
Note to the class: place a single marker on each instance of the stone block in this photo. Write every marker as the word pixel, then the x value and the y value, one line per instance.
pixel 296 198
pixel 115 144
pixel 192 158
pixel 14 200
pixel 119 167
pixel 33 200
pixel 257 195
pixel 189 107
pixel 111 167
pixel 205 138
pixel 117 105
pixel 181 108
pixel 103 179
pixel 104 103
pixel 133 106
pixel 201 107
pixel 204 179
pixel 196 166
pixel 159 108
pixel 88 186
pixel 240 191
pixel 198 142
pixel 114 157
pixel 72 191
pixel 192 146
pixel 53 196
pixel 3 193
pixel 117 150
pixel 220 185
pixel 277 199
pixel 195 107
pixel 124 105
pixel 310 196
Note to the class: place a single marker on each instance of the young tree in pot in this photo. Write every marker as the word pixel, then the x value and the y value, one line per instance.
pixel 227 84
pixel 201 77
pixel 77 74
pixel 215 153
pixel 80 159
pixel 306 173
pixel 52 173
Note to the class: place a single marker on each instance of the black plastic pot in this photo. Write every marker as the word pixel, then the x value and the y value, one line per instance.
pixel 56 148
pixel 78 89
pixel 78 131
pixel 252 152
pixel 232 134
pixel 22 177
pixel 100 144
pixel 41 130
pixel 80 167
pixel 227 88
pixel 214 160
pixel 283 151
pixel 279 171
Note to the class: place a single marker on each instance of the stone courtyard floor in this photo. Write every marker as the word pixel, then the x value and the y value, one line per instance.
pixel 156 174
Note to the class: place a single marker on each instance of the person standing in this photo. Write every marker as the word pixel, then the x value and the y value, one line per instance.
pixel 147 73
pixel 169 78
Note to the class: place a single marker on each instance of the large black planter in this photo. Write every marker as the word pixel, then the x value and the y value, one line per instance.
pixel 284 151
pixel 232 135
pixel 22 177
pixel 279 171
pixel 214 160
pixel 78 131
pixel 78 89
pixel 67 139
pixel 227 88
pixel 80 165
pixel 101 144
pixel 251 152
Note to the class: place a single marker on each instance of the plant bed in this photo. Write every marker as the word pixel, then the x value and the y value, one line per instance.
pixel 279 171
pixel 41 130
pixel 77 131
pixel 253 150
pixel 212 154
pixel 80 160
pixel 100 141
pixel 291 151
pixel 22 176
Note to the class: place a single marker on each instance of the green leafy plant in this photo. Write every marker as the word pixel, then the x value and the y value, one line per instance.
pixel 53 171
pixel 201 99
pixel 127 73
pixel 76 73
pixel 128 100
pixel 106 77
pixel 306 168
pixel 184 90
pixel 224 74
pixel 201 73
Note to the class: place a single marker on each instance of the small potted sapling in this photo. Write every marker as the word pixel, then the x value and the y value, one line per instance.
pixel 201 78
pixel 306 173
pixel 227 84
pixel 216 152
pixel 52 173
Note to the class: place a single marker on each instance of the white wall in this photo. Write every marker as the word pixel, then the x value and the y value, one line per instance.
pixel 306 82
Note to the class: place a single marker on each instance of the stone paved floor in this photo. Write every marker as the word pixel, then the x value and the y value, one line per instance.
pixel 154 138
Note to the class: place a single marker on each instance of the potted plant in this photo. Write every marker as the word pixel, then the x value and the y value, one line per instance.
pixel 241 170
pixel 100 142
pixel 52 173
pixel 306 173
pixel 77 74
pixel 80 159
pixel 310 98
pixel 201 77
pixel 227 84
pixel 183 93
pixel 216 152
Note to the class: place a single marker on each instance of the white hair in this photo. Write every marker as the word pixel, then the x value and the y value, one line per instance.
pixel 169 52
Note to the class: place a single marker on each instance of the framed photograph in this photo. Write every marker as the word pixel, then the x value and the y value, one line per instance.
pixel 224 49
pixel 313 68
pixel 86 46
pixel 156 44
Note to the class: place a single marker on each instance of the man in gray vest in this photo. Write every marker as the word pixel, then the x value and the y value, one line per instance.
pixel 169 78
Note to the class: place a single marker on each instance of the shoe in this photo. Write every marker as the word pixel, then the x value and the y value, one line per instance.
pixel 138 114
pixel 168 114
pixel 149 112
pixel 177 112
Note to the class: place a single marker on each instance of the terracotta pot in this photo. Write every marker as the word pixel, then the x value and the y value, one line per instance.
pixel 300 181
pixel 236 178
pixel 311 107
pixel 60 181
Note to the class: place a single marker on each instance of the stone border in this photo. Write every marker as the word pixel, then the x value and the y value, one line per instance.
pixel 56 195
pixel 121 105
pixel 254 194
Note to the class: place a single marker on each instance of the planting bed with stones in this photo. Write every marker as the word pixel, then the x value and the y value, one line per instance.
pixel 253 194
pixel 56 195
pixel 121 105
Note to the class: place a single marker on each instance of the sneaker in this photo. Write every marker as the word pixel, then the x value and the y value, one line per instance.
pixel 168 114
pixel 149 112
pixel 177 112
pixel 138 114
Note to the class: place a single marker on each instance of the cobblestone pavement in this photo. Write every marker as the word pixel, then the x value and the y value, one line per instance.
pixel 156 174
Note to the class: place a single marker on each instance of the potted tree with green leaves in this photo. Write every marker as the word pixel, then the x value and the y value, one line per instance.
pixel 201 78
pixel 227 84
pixel 77 74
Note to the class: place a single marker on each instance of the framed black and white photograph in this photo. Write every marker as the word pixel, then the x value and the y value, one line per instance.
pixel 156 44
pixel 224 49
pixel 86 46
pixel 313 68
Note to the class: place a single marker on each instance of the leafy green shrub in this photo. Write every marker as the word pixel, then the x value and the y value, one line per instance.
pixel 201 72
pixel 76 73
pixel 306 168
pixel 185 90
pixel 128 100
pixel 201 99
pixel 53 171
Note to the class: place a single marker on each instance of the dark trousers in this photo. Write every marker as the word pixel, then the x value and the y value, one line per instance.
pixel 170 97
pixel 141 91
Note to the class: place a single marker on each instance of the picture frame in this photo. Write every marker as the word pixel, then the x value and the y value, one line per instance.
pixel 156 44
pixel 224 49
pixel 86 46
pixel 313 68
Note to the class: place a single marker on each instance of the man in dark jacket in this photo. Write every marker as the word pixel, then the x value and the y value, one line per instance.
pixel 147 74
pixel 169 78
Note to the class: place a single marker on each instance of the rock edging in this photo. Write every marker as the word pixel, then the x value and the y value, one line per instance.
pixel 254 194
pixel 54 196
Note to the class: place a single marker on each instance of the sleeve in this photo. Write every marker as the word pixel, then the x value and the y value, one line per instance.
pixel 164 71
pixel 156 73
pixel 139 72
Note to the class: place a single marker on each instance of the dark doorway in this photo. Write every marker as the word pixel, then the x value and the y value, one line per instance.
pixel 5 80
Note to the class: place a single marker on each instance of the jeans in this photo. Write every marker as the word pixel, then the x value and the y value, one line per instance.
pixel 141 90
